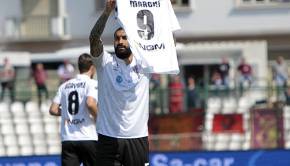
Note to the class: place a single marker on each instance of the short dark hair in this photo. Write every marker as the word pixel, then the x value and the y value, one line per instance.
pixel 120 28
pixel 85 62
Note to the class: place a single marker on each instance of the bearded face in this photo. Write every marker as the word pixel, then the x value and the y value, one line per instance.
pixel 122 51
pixel 122 48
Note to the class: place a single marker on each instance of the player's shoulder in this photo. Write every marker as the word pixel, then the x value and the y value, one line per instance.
pixel 93 82
pixel 105 54
pixel 73 80
pixel 69 82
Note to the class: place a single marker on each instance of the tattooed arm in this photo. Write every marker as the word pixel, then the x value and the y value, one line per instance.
pixel 96 45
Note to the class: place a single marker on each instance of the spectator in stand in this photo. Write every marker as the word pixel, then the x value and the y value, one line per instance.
pixel 155 80
pixel 223 70
pixel 280 72
pixel 7 75
pixel 216 78
pixel 176 95
pixel 287 95
pixel 191 93
pixel 65 71
pixel 40 77
pixel 246 73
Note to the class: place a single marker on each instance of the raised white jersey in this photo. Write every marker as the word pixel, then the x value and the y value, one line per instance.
pixel 149 25
pixel 77 124
pixel 123 109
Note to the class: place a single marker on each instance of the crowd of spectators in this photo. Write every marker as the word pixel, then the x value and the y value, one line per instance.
pixel 65 72
pixel 179 91
pixel 220 76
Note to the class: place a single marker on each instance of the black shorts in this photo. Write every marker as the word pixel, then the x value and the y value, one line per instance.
pixel 76 152
pixel 126 152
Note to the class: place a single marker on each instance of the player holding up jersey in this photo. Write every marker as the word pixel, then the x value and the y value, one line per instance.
pixel 123 100
pixel 78 101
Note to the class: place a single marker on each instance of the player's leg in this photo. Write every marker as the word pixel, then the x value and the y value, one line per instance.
pixel 11 90
pixel 226 80
pixel 179 106
pixel 251 80
pixel 136 152
pixel 88 152
pixel 278 80
pixel 108 151
pixel 3 85
pixel 285 80
pixel 39 94
pixel 68 155
pixel 172 107
pixel 218 84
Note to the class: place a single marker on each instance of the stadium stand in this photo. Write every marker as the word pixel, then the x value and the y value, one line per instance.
pixel 229 105
pixel 28 129
pixel 39 144
pixel 243 104
pixel 2 149
pixel 26 150
pixel 22 129
pixel 214 104
pixel 7 129
pixel 12 150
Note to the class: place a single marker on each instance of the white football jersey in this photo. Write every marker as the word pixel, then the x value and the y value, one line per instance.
pixel 77 123
pixel 149 25
pixel 123 109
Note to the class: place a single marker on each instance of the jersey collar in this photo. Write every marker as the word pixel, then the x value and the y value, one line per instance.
pixel 83 76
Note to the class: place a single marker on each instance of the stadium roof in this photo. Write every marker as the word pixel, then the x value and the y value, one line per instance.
pixel 15 58
pixel 67 53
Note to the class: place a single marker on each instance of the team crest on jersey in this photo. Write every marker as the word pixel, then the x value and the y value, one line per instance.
pixel 119 79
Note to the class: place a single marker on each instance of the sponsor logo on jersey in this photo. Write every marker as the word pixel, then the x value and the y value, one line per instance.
pixel 145 4
pixel 74 121
pixel 77 85
pixel 153 47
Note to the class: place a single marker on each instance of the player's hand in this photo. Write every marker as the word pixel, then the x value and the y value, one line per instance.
pixel 110 6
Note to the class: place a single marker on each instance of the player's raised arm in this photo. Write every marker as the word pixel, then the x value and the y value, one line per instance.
pixel 96 44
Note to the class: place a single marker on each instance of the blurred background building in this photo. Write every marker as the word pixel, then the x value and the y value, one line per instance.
pixel 49 31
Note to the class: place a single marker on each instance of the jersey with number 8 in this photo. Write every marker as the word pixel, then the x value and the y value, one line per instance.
pixel 77 123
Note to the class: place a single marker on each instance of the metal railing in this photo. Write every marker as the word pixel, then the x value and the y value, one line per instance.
pixel 37 27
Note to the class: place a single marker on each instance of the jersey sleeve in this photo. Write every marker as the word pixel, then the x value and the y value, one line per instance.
pixel 174 22
pixel 93 90
pixel 100 61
